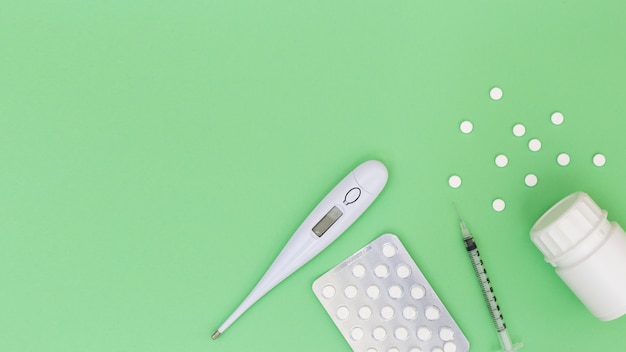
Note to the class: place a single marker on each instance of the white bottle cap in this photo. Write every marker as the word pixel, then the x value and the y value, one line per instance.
pixel 574 222
pixel 588 252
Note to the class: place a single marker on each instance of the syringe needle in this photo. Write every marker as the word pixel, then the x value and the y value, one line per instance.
pixel 464 230
pixel 458 213
pixel 216 335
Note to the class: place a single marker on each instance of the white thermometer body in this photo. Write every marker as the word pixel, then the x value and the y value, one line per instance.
pixel 330 218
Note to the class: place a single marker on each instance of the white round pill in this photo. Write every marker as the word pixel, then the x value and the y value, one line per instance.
pixel 393 349
pixel 498 205
pixel 557 118
pixel 350 291
pixel 436 349
pixel 365 312
pixel 432 313
pixel 449 347
pixel 424 333
pixel 409 312
pixel 381 270
pixel 563 159
pixel 373 292
pixel 379 333
pixel 502 160
pixel 519 130
pixel 395 291
pixel 372 349
pixel 357 333
pixel 328 291
pixel 401 333
pixel 446 334
pixel 387 312
pixel 466 127
pixel 418 292
pixel 530 180
pixel 599 160
pixel 495 93
pixel 389 250
pixel 534 145
pixel 343 313
pixel 403 271
pixel 454 181
pixel 358 271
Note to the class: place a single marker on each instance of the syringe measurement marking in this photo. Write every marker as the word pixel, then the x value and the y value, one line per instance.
pixel 485 285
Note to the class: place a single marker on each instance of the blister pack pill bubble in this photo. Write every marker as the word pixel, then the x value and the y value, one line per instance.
pixel 381 301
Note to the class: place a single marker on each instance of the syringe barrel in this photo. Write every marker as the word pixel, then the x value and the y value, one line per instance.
pixel 485 285
pixel 506 343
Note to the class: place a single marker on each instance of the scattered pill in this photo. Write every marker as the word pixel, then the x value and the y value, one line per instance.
pixel 519 130
pixel 530 180
pixel 563 159
pixel 599 160
pixel 466 127
pixel 454 181
pixel 498 205
pixel 557 118
pixel 495 93
pixel 502 160
pixel 534 144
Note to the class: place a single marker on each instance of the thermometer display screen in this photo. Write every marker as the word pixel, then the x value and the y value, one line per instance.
pixel 327 221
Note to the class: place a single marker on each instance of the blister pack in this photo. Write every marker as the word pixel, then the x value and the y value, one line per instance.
pixel 381 302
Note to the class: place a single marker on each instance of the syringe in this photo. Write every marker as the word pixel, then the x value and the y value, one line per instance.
pixel 485 285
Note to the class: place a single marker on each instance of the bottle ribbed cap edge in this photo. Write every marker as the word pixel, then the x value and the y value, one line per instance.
pixel 566 224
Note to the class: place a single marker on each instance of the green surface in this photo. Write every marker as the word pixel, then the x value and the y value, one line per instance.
pixel 155 156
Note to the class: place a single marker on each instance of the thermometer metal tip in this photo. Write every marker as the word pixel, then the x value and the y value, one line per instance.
pixel 216 335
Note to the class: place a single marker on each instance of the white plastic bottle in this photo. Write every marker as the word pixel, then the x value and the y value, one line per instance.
pixel 587 251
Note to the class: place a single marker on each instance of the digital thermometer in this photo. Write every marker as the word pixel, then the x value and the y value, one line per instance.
pixel 330 218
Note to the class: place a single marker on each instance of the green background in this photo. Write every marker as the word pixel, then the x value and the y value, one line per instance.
pixel 155 156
